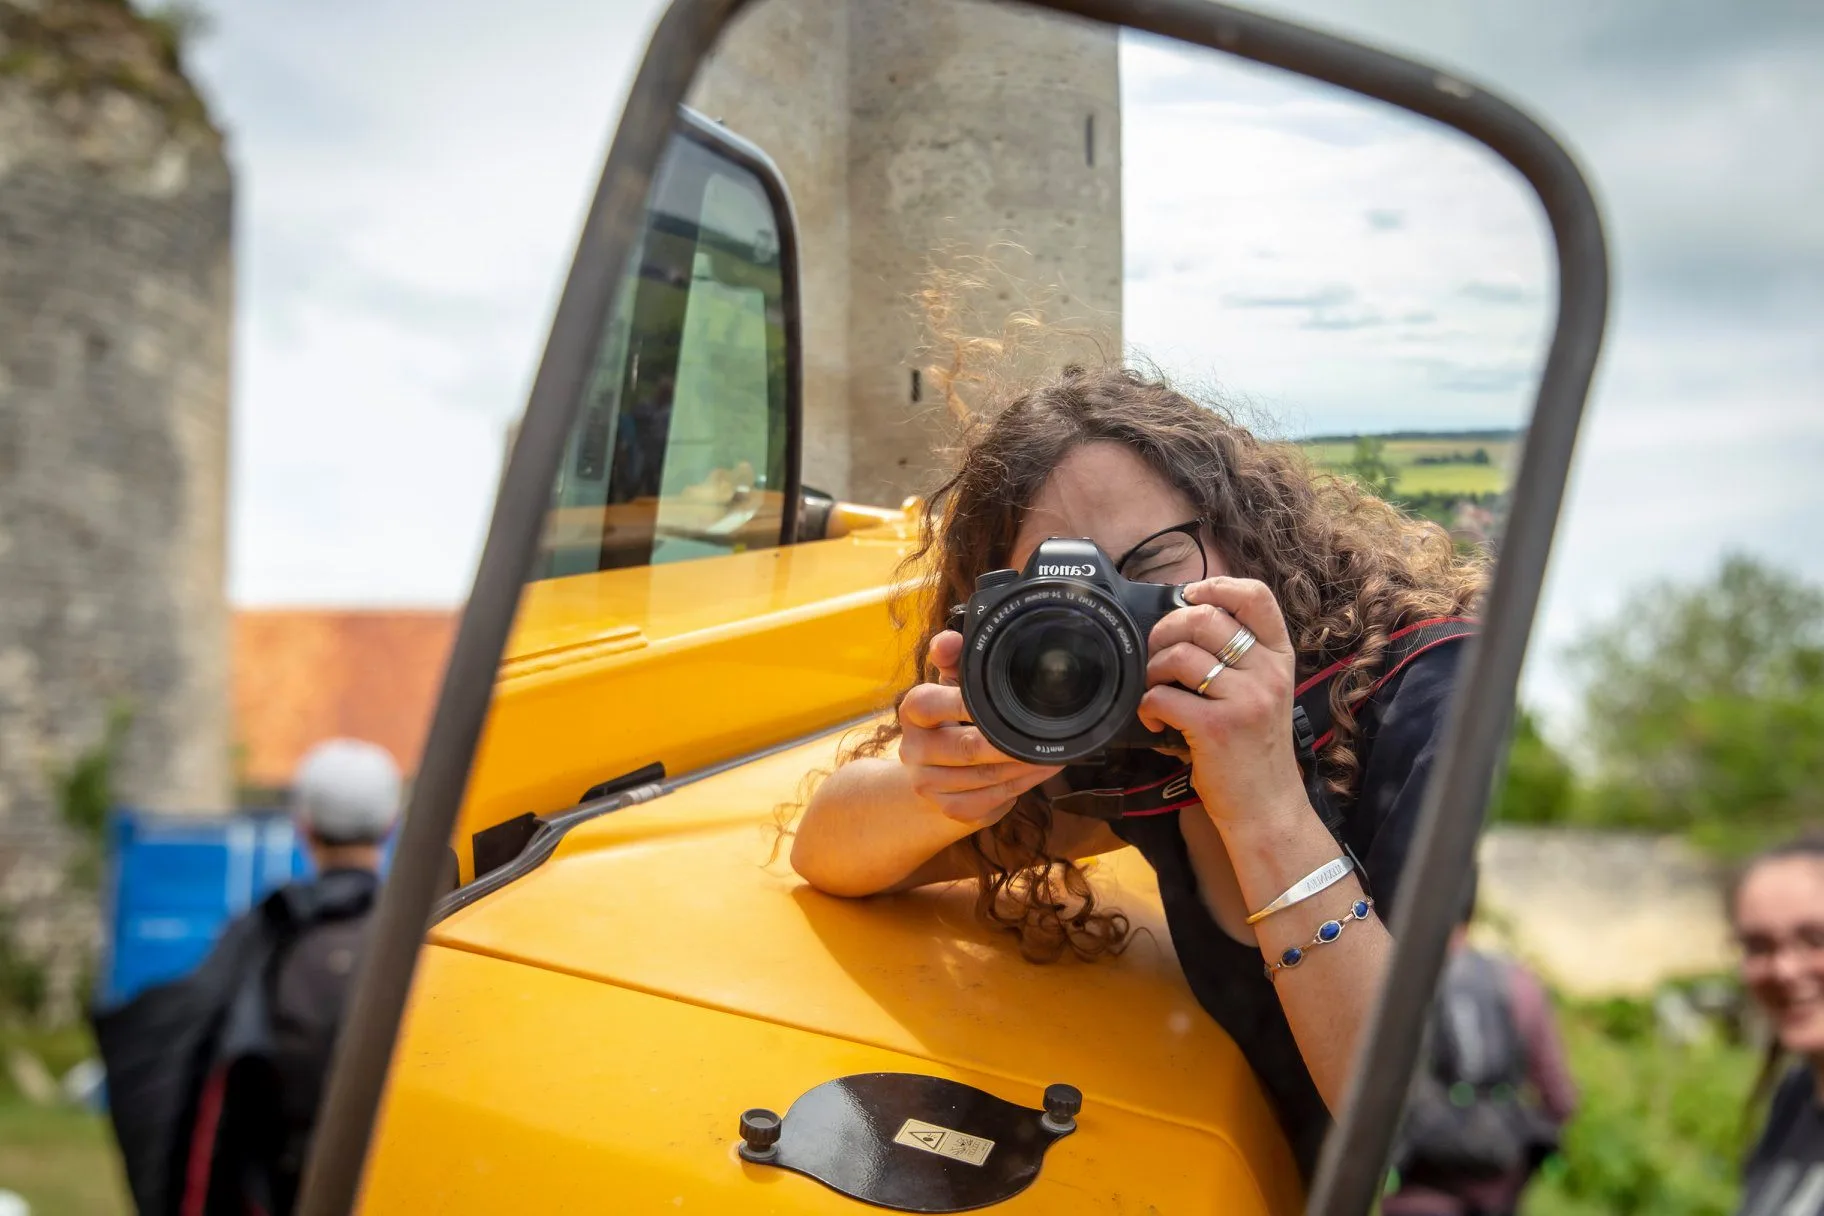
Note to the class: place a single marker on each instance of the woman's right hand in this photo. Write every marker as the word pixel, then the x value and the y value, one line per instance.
pixel 954 770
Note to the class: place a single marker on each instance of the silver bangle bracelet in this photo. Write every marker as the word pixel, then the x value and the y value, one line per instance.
pixel 1326 875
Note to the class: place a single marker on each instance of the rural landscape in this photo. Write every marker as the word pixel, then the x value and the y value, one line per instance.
pixel 1454 478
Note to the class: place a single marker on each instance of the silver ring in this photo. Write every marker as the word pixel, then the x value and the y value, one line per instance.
pixel 1240 644
pixel 1214 672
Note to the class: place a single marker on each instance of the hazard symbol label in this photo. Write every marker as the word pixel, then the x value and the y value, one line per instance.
pixel 944 1141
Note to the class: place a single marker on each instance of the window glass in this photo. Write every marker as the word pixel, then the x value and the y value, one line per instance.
pixel 679 448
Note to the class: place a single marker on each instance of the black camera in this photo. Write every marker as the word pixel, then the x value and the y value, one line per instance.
pixel 1054 656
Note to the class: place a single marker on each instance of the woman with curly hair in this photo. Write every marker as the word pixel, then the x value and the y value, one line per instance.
pixel 1290 577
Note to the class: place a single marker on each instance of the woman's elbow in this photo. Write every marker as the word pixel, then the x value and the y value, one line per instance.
pixel 811 862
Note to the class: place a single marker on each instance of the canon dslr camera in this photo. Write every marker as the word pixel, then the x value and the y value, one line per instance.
pixel 1054 656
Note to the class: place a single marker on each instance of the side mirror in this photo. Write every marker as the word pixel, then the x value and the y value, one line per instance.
pixel 1355 1152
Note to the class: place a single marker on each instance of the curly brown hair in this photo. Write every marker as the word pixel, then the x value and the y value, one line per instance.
pixel 1347 569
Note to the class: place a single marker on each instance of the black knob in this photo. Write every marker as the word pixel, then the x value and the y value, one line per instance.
pixel 1062 1102
pixel 997 578
pixel 759 1134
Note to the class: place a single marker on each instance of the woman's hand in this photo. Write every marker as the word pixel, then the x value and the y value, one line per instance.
pixel 954 770
pixel 1240 729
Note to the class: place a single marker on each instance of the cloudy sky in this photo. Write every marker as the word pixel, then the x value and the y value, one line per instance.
pixel 410 189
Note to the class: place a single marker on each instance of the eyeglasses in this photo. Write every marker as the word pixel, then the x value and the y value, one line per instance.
pixel 1170 555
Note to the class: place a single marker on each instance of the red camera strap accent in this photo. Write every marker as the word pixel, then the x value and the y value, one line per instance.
pixel 1403 646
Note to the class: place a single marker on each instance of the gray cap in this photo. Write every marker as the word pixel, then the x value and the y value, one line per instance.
pixel 346 791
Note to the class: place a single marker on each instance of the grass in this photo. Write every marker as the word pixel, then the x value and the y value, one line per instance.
pixel 60 1159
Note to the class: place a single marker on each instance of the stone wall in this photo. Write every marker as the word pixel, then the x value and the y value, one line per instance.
pixel 115 307
pixel 1603 914
pixel 980 119
pixel 910 131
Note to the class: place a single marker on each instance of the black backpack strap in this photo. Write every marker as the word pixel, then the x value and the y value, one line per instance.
pixel 1313 725
pixel 1311 700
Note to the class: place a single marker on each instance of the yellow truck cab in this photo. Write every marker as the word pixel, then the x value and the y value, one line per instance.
pixel 627 976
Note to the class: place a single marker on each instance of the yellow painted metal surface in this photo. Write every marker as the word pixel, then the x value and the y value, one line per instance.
pixel 687 665
pixel 586 1038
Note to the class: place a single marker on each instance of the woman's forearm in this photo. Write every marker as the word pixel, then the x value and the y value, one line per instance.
pixel 865 831
pixel 1328 996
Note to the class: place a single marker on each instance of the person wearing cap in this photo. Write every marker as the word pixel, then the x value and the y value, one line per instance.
pixel 344 801
pixel 214 1079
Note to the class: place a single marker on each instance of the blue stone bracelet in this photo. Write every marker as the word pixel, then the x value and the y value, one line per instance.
pixel 1326 933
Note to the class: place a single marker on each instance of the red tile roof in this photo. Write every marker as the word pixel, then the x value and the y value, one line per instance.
pixel 304 675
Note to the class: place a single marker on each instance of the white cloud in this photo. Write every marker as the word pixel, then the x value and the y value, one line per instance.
pixel 1704 432
pixel 1341 265
pixel 409 193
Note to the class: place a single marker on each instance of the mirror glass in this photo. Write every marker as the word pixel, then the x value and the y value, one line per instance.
pixel 1216 303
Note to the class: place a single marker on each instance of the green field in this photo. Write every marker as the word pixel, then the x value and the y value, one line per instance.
pixel 1434 463
pixel 1448 467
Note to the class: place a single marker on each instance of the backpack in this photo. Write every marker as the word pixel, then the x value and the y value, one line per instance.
pixel 1471 1113
pixel 308 988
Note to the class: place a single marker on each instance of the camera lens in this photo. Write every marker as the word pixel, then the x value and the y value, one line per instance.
pixel 1055 669
pixel 1054 672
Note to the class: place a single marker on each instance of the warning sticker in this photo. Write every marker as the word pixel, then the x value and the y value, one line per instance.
pixel 944 1141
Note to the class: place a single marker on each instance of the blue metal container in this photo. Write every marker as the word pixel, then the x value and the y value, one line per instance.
pixel 173 882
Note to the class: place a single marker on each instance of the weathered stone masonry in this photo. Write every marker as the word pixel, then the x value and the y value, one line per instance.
pixel 116 282
pixel 914 129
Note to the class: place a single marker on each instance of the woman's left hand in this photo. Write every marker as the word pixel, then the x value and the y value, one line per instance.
pixel 1240 729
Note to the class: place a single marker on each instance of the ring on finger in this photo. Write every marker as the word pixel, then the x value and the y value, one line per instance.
pixel 1214 672
pixel 1240 644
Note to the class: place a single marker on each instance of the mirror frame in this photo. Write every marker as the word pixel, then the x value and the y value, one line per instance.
pixel 1352 1166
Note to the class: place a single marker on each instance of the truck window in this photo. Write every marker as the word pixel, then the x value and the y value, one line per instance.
pixel 679 449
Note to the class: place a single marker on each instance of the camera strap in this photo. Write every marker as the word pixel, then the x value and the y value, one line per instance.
pixel 1313 729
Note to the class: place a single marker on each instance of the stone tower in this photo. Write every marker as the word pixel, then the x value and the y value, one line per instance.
pixel 914 129
pixel 115 307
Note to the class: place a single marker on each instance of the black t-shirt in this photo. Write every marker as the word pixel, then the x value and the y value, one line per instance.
pixel 1397 745
pixel 1785 1173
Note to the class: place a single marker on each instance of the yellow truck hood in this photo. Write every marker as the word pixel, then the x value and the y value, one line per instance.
pixel 586 1038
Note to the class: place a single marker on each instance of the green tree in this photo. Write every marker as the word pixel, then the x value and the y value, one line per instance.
pixel 1538 784
pixel 1370 467
pixel 1704 707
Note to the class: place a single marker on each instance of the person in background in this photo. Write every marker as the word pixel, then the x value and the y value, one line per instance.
pixel 214 1079
pixel 345 801
pixel 1777 909
pixel 1492 1094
